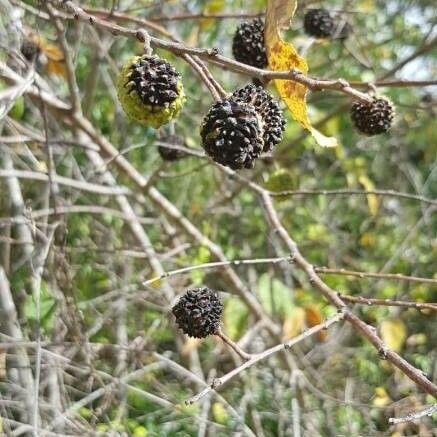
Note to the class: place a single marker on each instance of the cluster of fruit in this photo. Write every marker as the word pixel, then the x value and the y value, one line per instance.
pixel 237 129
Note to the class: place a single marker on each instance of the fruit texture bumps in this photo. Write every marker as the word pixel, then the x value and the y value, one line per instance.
pixel 198 312
pixel 248 43
pixel 372 118
pixel 238 129
pixel 150 90
pixel 319 23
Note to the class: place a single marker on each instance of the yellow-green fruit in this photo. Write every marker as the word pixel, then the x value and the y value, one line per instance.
pixel 150 90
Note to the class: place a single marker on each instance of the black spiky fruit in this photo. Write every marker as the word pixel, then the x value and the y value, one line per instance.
pixel 150 90
pixel 373 118
pixel 319 23
pixel 232 134
pixel 238 129
pixel 268 109
pixel 198 312
pixel 248 43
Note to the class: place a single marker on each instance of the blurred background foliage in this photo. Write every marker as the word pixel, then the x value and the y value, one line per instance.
pixel 343 387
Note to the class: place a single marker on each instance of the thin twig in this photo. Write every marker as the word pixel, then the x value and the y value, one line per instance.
pixel 349 192
pixel 414 416
pixel 388 302
pixel 391 276
pixel 233 345
pixel 263 355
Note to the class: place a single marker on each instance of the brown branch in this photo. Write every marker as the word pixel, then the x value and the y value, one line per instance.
pixel 391 276
pixel 348 192
pixel 398 83
pixel 387 302
pixel 212 55
pixel 233 345
pixel 414 416
pixel 332 296
pixel 265 354
pixel 202 16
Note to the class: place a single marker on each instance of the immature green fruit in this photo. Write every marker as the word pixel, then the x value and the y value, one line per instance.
pixel 150 90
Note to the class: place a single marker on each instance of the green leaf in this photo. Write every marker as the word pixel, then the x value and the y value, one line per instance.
pixel 275 296
pixel 235 315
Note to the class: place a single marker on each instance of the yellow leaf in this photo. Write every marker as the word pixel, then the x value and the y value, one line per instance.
pixel 219 413
pixel 381 398
pixel 293 325
pixel 283 56
pixel 367 239
pixel 314 317
pixel 393 334
pixel 212 7
pixel 372 199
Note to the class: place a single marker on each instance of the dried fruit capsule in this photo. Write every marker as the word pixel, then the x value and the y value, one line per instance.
pixel 248 43
pixel 198 312
pixel 373 118
pixel 238 129
pixel 268 108
pixel 232 134
pixel 319 23
pixel 150 90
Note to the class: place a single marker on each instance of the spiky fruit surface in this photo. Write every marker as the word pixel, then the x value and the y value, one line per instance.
pixel 373 118
pixel 198 312
pixel 248 43
pixel 166 148
pixel 150 90
pixel 232 134
pixel 319 23
pixel 29 49
pixel 268 109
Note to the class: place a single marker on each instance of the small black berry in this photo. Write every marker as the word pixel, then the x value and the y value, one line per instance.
pixel 372 118
pixel 198 312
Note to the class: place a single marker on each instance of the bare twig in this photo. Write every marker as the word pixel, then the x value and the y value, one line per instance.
pixel 414 416
pixel 263 355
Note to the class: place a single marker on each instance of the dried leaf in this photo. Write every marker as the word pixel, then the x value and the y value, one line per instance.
pixel 314 317
pixel 293 324
pixel 394 334
pixel 55 58
pixel 283 56
pixel 381 398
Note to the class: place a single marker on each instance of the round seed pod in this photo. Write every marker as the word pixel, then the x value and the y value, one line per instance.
pixel 150 90
pixel 166 150
pixel 248 43
pixel 198 312
pixel 268 109
pixel 232 134
pixel 373 118
pixel 319 23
